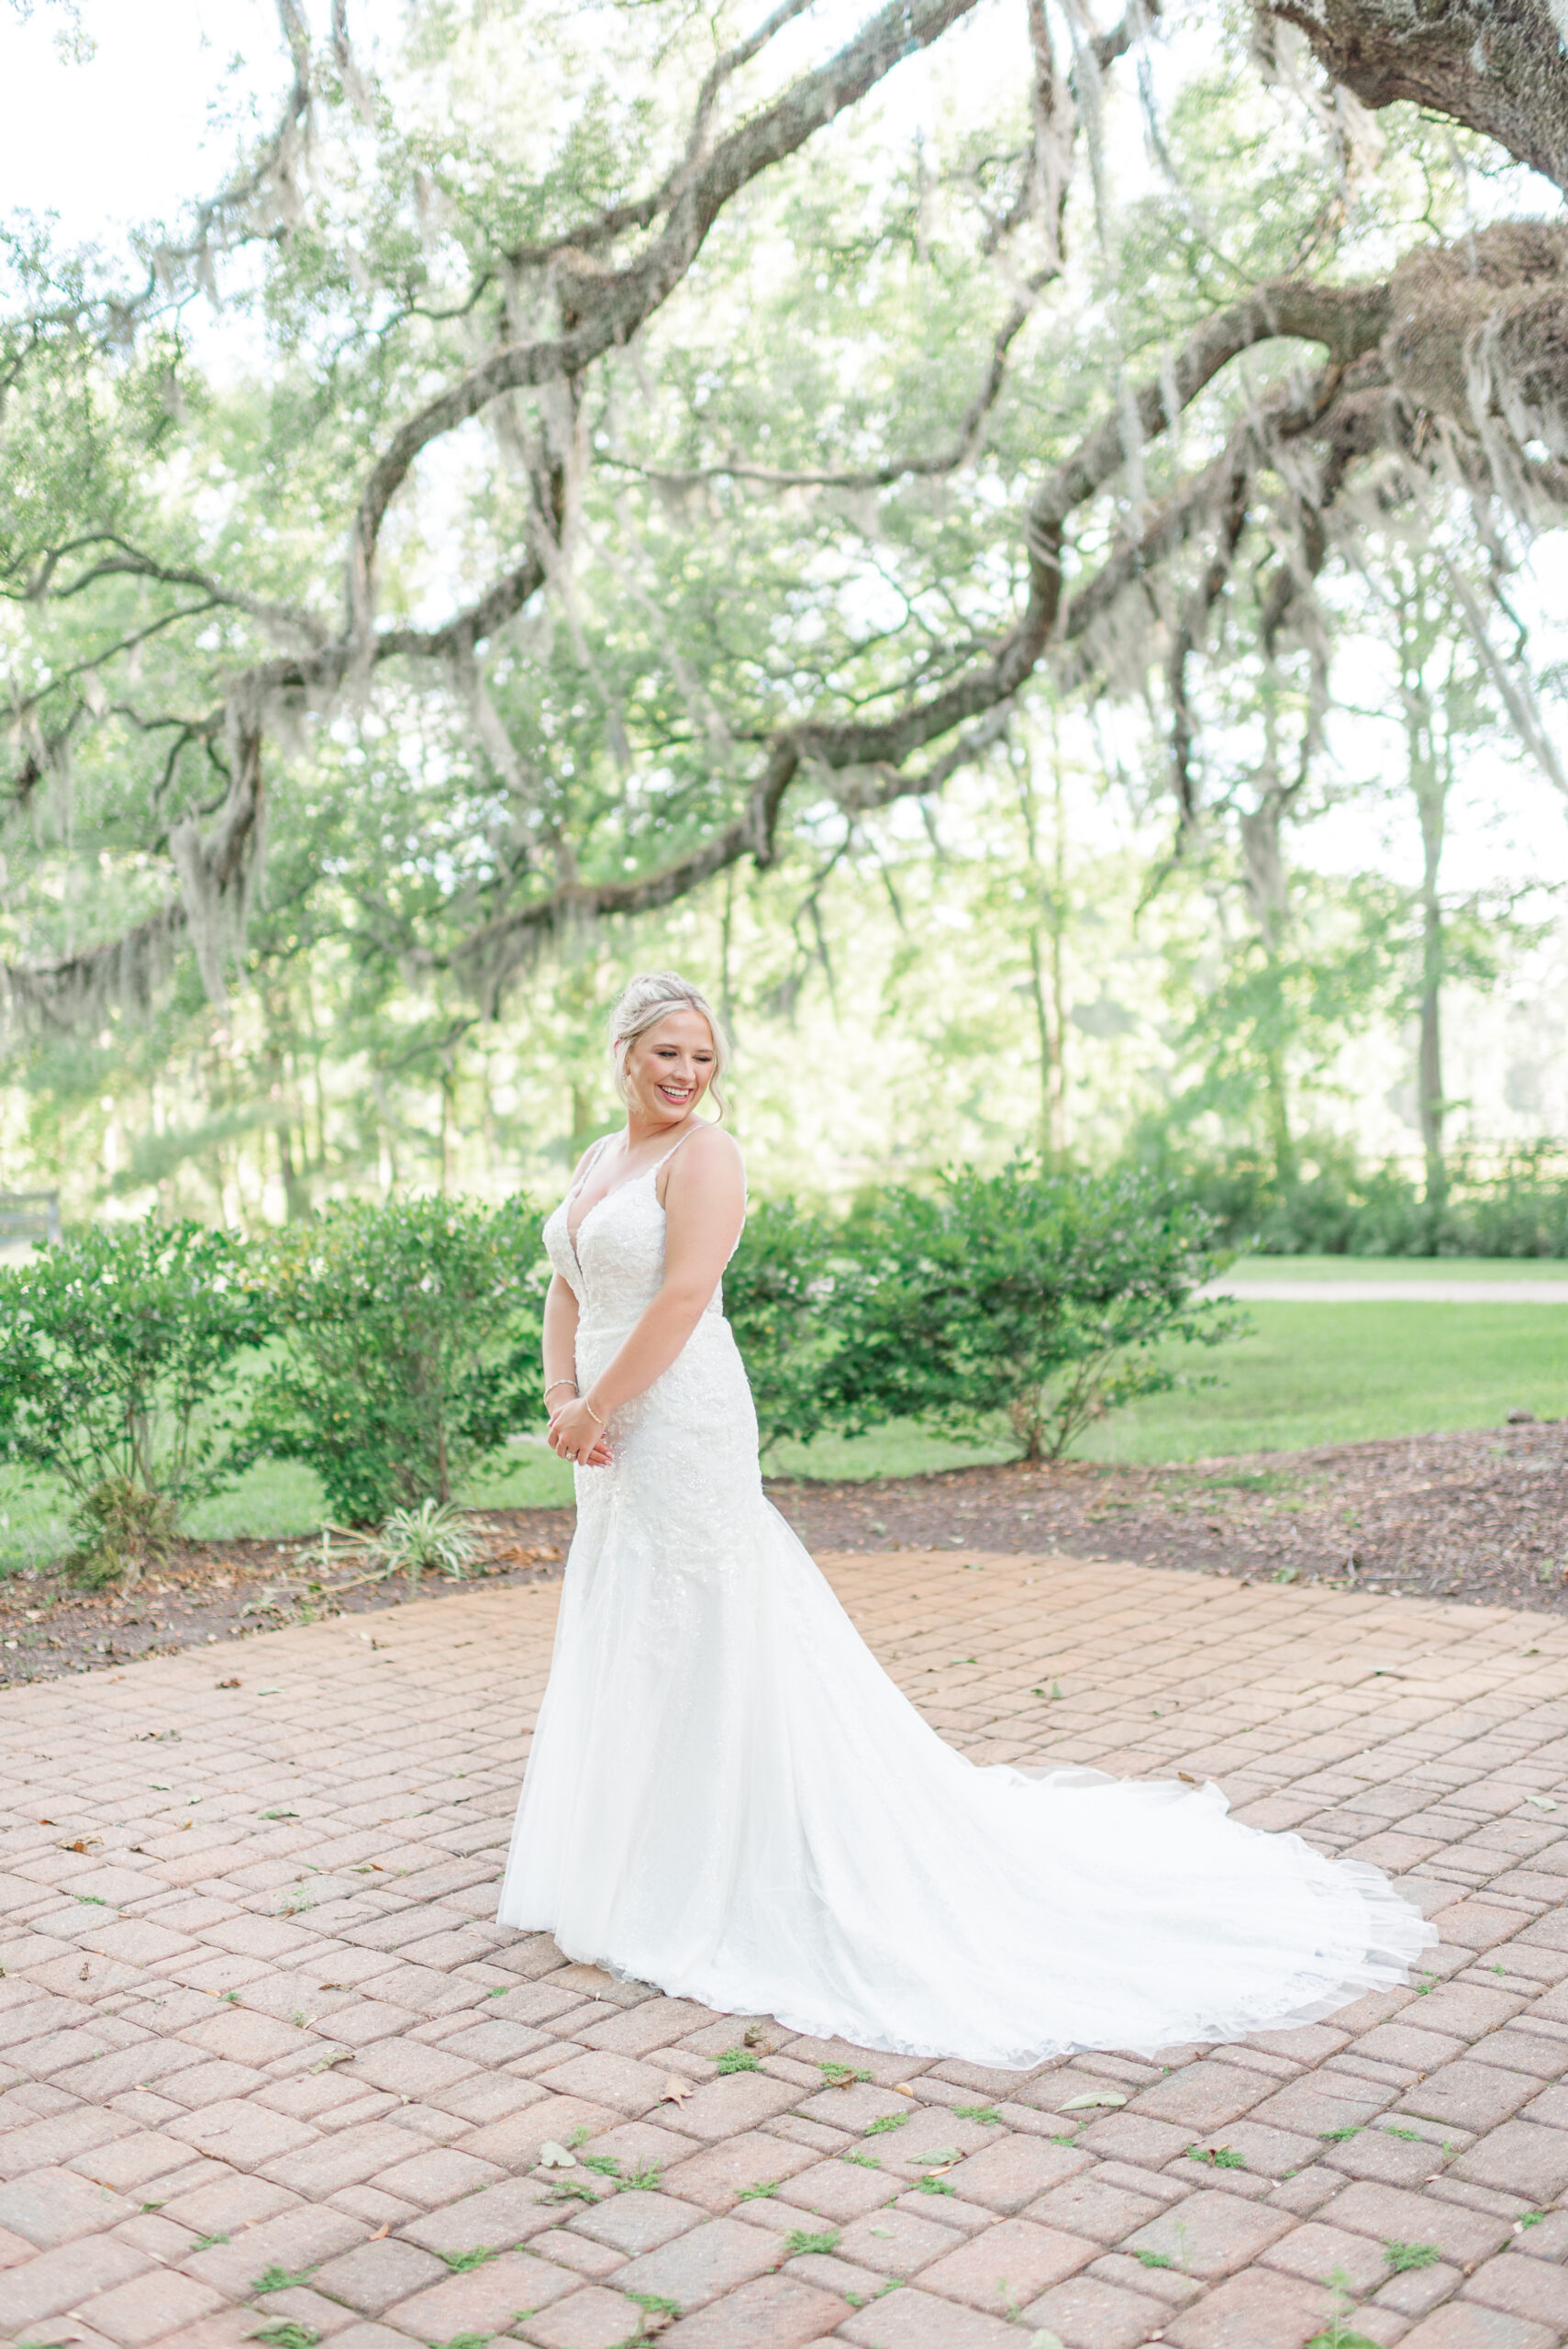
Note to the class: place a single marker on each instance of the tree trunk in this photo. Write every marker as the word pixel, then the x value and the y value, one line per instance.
pixel 1431 1060
pixel 1026 1414
pixel 388 1169
pixel 583 1120
pixel 1429 787
pixel 1049 1051
pixel 725 935
pixel 1268 900
pixel 297 1190
pixel 1276 1110
pixel 1059 1133
pixel 1045 958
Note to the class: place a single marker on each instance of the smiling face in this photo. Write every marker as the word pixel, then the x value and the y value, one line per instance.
pixel 668 1068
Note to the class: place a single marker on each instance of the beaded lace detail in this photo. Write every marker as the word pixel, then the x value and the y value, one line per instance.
pixel 615 1262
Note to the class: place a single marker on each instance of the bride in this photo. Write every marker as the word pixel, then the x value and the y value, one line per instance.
pixel 728 1798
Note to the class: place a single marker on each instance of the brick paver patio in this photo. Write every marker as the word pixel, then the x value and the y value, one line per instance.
pixel 272 2072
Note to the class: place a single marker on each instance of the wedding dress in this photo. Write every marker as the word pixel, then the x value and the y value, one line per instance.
pixel 728 1797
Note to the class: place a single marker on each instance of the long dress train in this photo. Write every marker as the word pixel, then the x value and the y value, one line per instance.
pixel 728 1798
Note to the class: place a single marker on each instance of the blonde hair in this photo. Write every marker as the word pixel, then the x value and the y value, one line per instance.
pixel 651 996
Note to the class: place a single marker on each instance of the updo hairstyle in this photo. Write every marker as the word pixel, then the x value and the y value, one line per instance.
pixel 647 999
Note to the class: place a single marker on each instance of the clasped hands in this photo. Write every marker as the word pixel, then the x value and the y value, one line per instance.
pixel 577 1435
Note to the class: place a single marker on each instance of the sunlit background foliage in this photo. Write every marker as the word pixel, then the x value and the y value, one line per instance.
pixel 1039 950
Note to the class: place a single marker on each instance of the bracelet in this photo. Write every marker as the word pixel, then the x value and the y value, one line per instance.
pixel 559 1382
pixel 589 1408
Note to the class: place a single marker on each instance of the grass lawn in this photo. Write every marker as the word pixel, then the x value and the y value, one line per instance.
pixel 1338 1374
pixel 1309 1375
pixel 1395 1268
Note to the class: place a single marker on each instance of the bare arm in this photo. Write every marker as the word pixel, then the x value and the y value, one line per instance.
pixel 560 1313
pixel 560 1316
pixel 705 1207
pixel 559 1343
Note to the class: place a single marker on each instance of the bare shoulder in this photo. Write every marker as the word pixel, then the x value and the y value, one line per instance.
pixel 711 1146
pixel 709 1165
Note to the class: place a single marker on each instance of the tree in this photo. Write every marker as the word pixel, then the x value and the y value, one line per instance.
pixel 1430 617
pixel 786 455
pixel 1496 65
pixel 1438 689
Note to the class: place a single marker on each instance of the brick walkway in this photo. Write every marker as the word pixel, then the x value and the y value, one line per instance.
pixel 272 2072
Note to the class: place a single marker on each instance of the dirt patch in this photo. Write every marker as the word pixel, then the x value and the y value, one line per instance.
pixel 215 1594
pixel 1480 1516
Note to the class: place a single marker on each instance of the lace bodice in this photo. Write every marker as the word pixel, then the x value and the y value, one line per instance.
pixel 617 1267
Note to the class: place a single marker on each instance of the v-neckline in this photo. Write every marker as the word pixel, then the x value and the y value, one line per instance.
pixel 663 1160
pixel 624 1185
pixel 603 1200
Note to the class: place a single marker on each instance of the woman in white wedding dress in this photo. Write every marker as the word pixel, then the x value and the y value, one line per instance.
pixel 728 1798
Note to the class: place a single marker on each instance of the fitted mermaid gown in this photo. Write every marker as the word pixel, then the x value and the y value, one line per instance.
pixel 727 1795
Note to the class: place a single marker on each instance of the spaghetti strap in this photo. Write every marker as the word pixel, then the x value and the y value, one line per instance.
pixel 646 1174
pixel 701 1127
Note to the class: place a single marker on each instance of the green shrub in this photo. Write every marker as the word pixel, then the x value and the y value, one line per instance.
pixel 119 1355
pixel 778 1296
pixel 1520 1210
pixel 1337 1207
pixel 1334 1207
pixel 1034 1295
pixel 410 1347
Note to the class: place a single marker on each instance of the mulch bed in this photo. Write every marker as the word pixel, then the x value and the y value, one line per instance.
pixel 215 1593
pixel 1482 1515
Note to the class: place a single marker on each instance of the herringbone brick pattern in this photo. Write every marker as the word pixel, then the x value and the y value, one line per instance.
pixel 269 2070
